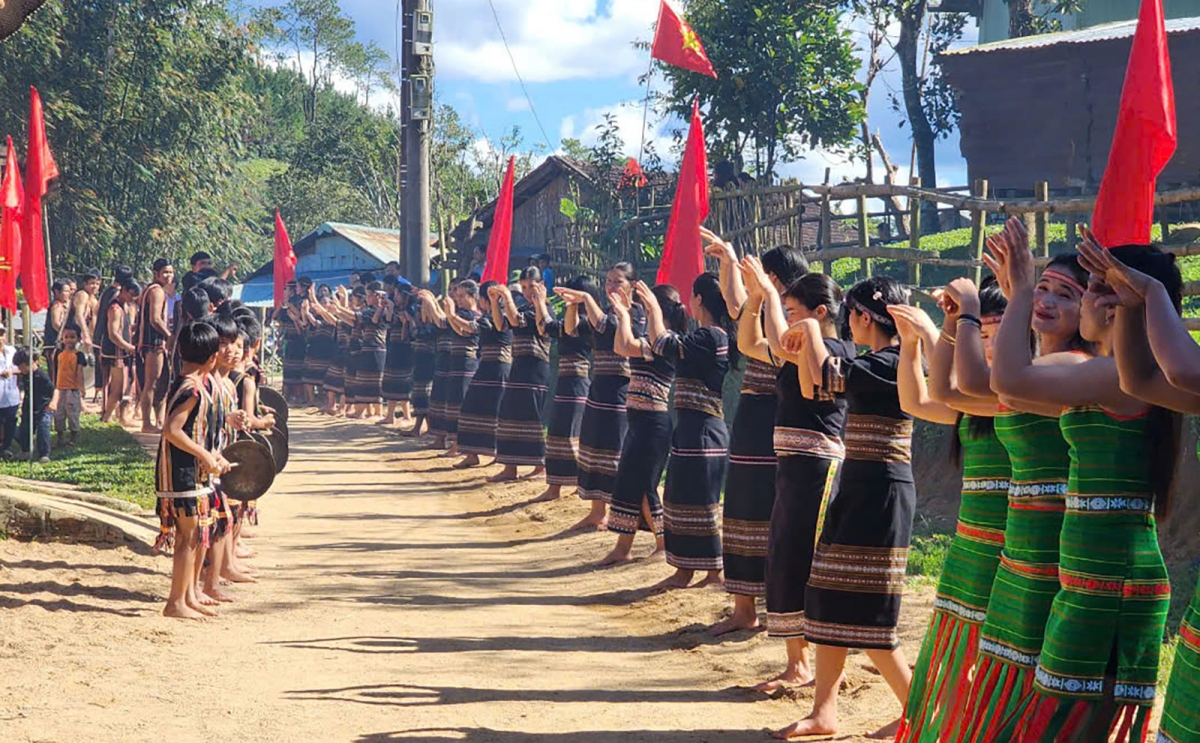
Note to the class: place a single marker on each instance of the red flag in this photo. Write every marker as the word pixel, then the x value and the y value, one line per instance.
pixel 632 177
pixel 683 250
pixel 40 169
pixel 285 259
pixel 1144 140
pixel 677 44
pixel 500 241
pixel 12 203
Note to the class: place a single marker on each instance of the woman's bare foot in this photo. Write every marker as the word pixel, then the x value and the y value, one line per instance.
pixel 713 578
pixel 198 606
pixel 537 472
pixel 590 522
pixel 887 732
pixel 151 429
pixel 205 599
pixel 735 623
pixel 792 677
pixel 216 594
pixel 680 579
pixel 810 725
pixel 472 460
pixel 180 610
pixel 236 576
pixel 619 556
pixel 451 452
pixel 508 474
pixel 553 493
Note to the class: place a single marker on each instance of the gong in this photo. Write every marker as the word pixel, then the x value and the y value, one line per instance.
pixel 275 401
pixel 277 439
pixel 253 470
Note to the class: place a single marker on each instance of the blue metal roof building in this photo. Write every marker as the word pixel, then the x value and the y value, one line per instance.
pixel 328 255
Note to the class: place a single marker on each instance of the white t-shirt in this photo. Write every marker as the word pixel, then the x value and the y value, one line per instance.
pixel 10 391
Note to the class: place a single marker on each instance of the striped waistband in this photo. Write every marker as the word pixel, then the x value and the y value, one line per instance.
pixel 1037 489
pixel 986 485
pixel 801 441
pixel 981 534
pixel 692 394
pixel 1038 570
pixel 573 366
pixel 874 438
pixel 607 363
pixel 200 493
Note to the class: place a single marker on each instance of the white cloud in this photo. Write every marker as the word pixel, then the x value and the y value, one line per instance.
pixel 519 103
pixel 551 40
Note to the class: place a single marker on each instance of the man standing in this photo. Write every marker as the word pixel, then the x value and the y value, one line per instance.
pixel 10 394
pixel 153 331
pixel 121 274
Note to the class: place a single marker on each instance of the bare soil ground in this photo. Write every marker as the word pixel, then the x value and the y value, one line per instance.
pixel 400 600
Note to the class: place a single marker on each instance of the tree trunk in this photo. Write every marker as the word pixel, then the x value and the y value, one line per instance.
pixel 1020 18
pixel 922 133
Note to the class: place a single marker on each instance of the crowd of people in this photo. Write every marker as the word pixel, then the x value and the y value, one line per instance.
pixel 1064 389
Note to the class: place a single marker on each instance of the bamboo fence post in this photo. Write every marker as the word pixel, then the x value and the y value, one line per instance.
pixel 864 239
pixel 914 234
pixel 1165 224
pixel 824 236
pixel 1041 220
pixel 978 223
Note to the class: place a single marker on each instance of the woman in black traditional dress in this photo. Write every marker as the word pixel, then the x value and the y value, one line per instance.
pixel 602 431
pixel 338 314
pixel 700 444
pixel 443 339
pixel 570 396
pixel 294 347
pixel 321 342
pixel 424 335
pixel 369 375
pixel 858 571
pixel 398 366
pixel 520 436
pixel 481 406
pixel 635 500
pixel 458 313
pixel 750 485
pixel 807 442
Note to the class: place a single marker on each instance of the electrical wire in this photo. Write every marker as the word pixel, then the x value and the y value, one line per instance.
pixel 517 72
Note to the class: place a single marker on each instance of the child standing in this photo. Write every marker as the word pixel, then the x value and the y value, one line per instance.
pixel 184 467
pixel 42 402
pixel 68 364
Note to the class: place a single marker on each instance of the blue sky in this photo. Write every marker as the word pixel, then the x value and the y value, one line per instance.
pixel 578 62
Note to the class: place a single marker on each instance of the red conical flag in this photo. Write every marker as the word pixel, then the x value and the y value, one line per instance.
pixel 677 44
pixel 500 241
pixel 683 250
pixel 1144 140
pixel 633 176
pixel 285 259
pixel 12 203
pixel 40 169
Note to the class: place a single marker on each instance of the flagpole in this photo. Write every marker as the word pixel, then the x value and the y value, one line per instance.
pixel 27 323
pixel 637 183
pixel 46 241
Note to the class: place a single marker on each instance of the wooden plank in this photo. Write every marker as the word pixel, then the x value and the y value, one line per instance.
pixel 1041 191
pixel 864 238
pixel 914 235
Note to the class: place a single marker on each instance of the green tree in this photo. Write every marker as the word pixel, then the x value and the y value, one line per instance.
pixel 319 30
pixel 786 80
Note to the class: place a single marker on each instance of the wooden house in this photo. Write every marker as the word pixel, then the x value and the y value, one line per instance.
pixel 992 16
pixel 1044 108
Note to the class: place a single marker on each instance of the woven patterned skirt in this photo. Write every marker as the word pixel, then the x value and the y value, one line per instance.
pixel 858 571
pixel 481 408
pixel 437 395
pixel 692 500
pixel 566 420
pixel 293 360
pixel 320 351
pixel 601 436
pixel 520 433
pixel 643 458
pixel 1111 610
pixel 368 376
pixel 353 359
pixel 398 372
pixel 335 375
pixel 1181 709
pixel 802 485
pixel 749 496
pixel 422 385
pixel 458 381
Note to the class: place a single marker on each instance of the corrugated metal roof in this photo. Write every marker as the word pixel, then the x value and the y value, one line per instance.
pixel 1104 32
pixel 381 243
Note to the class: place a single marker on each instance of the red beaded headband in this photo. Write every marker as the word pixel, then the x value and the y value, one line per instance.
pixel 1051 273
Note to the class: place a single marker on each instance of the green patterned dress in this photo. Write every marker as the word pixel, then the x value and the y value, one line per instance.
pixel 938 695
pixel 1108 618
pixel 1181 709
pixel 1027 579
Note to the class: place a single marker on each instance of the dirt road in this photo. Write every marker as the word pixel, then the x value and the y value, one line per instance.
pixel 400 601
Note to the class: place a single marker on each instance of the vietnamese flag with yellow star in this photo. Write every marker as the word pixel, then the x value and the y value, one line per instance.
pixel 677 44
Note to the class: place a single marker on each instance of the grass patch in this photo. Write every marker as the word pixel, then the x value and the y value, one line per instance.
pixel 927 556
pixel 105 460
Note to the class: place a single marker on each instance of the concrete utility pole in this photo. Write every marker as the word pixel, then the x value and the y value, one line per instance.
pixel 416 113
